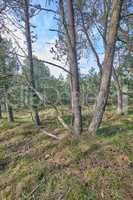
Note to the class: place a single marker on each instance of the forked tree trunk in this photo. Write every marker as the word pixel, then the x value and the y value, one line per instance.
pixel 75 88
pixel 107 67
pixel 118 88
pixel 30 58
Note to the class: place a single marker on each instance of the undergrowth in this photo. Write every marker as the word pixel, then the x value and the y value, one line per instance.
pixel 37 167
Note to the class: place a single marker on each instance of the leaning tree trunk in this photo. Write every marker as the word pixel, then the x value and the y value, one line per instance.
pixel 74 69
pixel 30 58
pixel 107 67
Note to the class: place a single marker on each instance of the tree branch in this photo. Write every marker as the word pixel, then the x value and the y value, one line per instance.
pixel 90 42
pixel 38 7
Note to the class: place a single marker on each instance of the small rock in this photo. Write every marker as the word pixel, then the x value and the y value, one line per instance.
pixel 47 156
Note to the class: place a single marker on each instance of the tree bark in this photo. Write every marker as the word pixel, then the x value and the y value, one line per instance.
pixel 68 23
pixel 74 69
pixel 107 67
pixel 30 58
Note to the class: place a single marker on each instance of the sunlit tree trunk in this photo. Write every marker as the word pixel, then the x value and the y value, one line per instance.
pixel 107 67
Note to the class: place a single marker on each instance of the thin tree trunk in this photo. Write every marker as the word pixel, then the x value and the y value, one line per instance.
pixel 125 99
pixel 74 69
pixel 30 58
pixel 9 109
pixel 107 67
pixel 10 113
pixel 119 93
pixel 119 102
pixel 0 112
pixel 69 29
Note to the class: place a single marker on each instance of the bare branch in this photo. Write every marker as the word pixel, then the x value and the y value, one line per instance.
pixel 55 30
pixel 90 42
pixel 55 65
pixel 50 134
pixel 38 7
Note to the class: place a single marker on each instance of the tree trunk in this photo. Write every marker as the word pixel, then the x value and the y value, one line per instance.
pixel 125 99
pixel 30 58
pixel 10 113
pixel 118 88
pixel 119 102
pixel 9 109
pixel 119 93
pixel 74 69
pixel 0 112
pixel 107 67
pixel 71 101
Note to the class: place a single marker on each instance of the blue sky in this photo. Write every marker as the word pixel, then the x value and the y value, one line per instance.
pixel 45 21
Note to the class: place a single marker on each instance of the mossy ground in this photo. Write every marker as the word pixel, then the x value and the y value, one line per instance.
pixel 34 166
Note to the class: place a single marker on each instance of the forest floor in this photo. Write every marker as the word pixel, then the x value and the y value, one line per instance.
pixel 34 166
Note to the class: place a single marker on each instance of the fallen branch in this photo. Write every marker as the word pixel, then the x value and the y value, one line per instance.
pixel 63 123
pixel 60 118
pixel 51 105
pixel 50 135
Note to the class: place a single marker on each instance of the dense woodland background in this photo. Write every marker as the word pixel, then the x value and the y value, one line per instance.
pixel 67 137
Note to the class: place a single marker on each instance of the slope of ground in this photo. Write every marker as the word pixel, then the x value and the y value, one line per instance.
pixel 34 166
